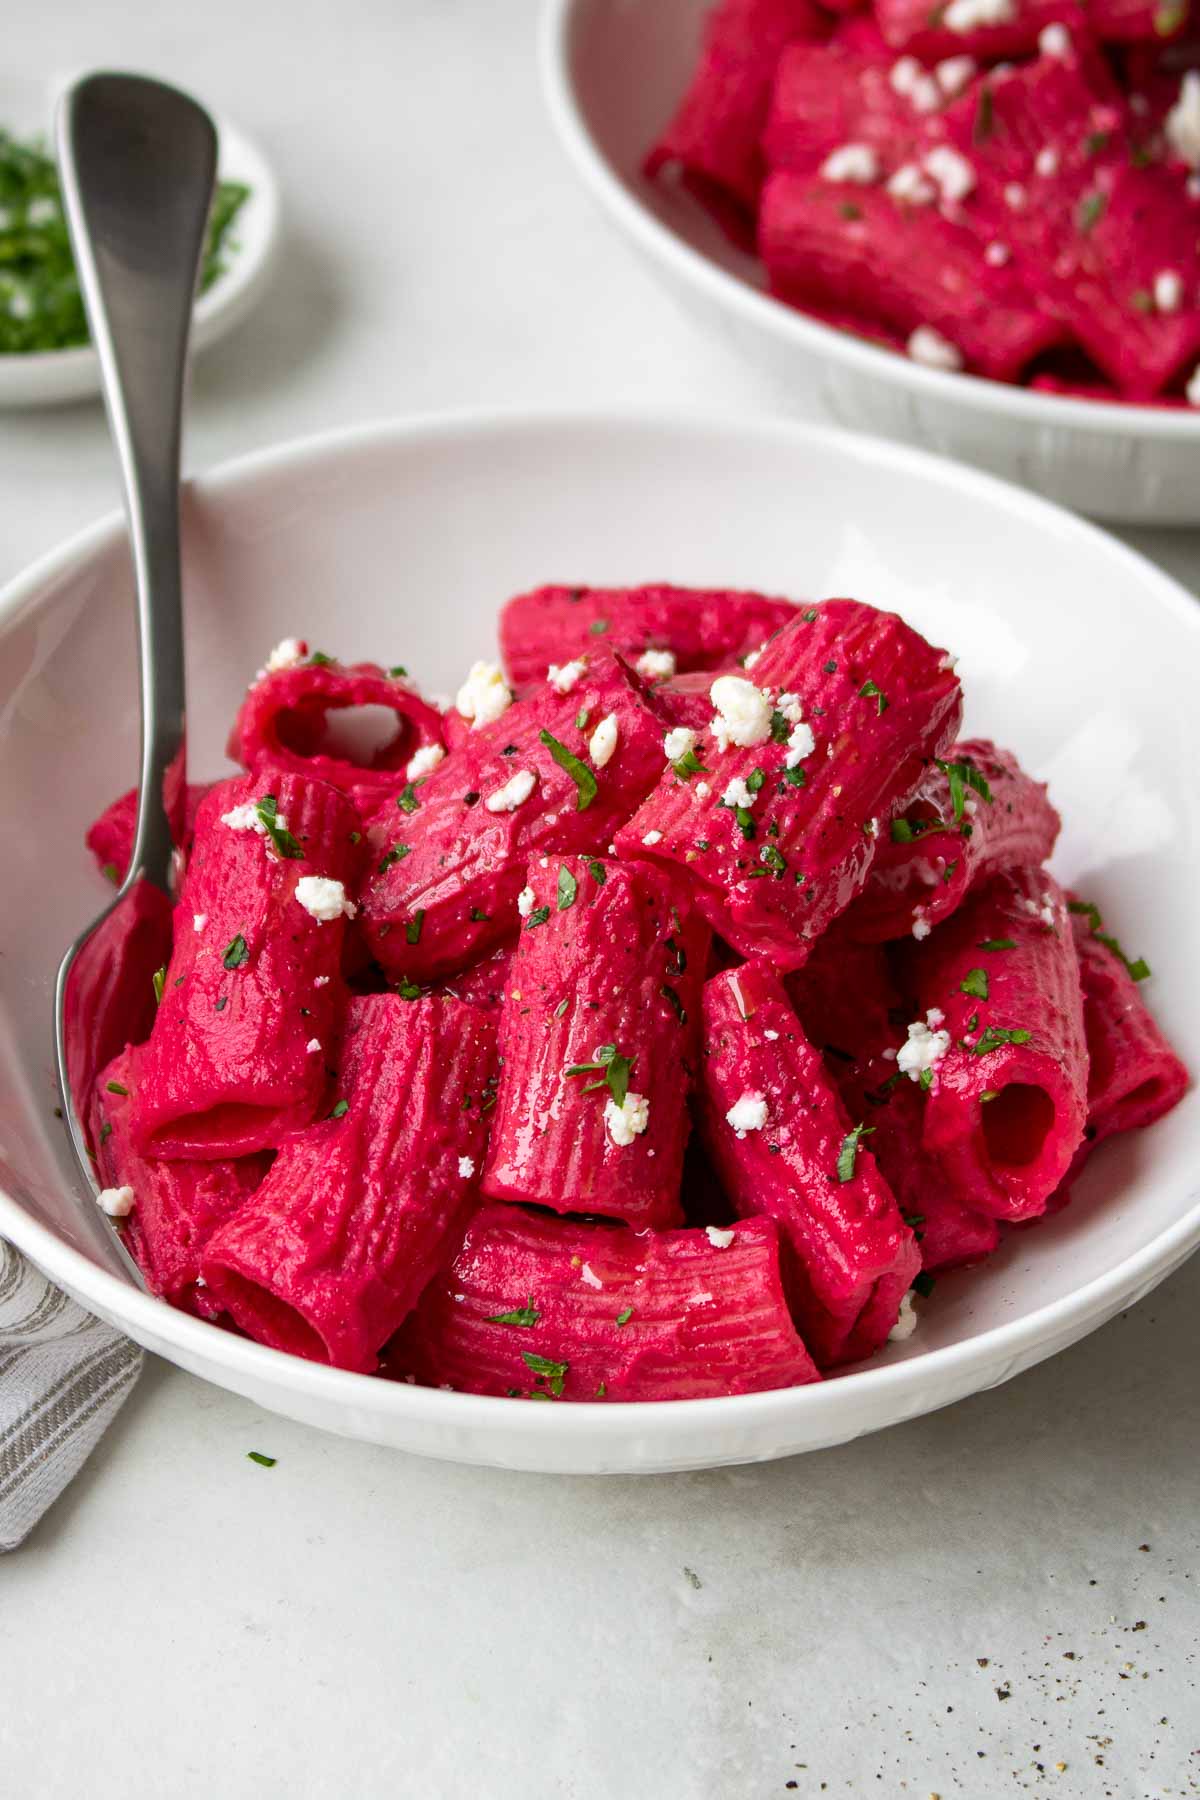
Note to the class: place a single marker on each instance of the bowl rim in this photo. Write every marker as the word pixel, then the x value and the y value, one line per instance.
pixel 1057 1322
pixel 789 326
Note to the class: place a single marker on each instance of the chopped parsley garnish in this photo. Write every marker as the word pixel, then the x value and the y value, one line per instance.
pixel 745 820
pixel 479 917
pixel 848 210
pixel 111 873
pixel 562 1006
pixel 1137 966
pixel 809 615
pixel 687 765
pixel 961 776
pixel 526 1315
pixel 579 772
pixel 321 661
pixel 598 872
pixel 106 1131
pixel 1091 208
pixel 796 777
pixel 396 854
pixel 537 917
pixel 408 990
pixel 264 1462
pixel 831 667
pixel 925 1079
pixel 773 858
pixel 552 1373
pixel 397 671
pixel 868 691
pixel 568 887
pixel 848 1154
pixel 159 978
pixel 1095 142
pixel 671 996
pixel 221 1004
pixel 924 1283
pixel 285 844
pixel 598 627
pixel 781 731
pixel 412 931
pixel 996 1036
pixel 975 983
pixel 998 944
pixel 340 1110
pixel 581 718
pixel 755 779
pixel 116 1087
pixel 907 831
pixel 236 953
pixel 611 1067
pixel 624 1317
pixel 408 801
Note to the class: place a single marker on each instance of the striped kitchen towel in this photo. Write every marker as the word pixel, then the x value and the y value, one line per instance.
pixel 63 1378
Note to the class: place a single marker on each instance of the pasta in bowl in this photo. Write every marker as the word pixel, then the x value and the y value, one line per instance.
pixel 488 1067
pixel 973 228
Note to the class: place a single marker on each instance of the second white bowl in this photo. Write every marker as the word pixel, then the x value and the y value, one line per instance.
pixel 613 72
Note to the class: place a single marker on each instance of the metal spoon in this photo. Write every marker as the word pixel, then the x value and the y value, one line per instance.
pixel 137 161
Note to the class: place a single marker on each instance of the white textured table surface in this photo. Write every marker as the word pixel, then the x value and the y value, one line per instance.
pixel 961 1606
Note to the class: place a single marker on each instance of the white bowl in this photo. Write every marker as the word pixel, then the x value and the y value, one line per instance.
pixel 398 543
pixel 52 377
pixel 613 72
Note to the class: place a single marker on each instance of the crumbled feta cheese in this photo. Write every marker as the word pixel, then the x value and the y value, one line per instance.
pixel 872 827
pixel 743 714
pixel 245 818
pixel 996 255
pixel 925 1048
pixel 321 981
pixel 770 1036
pixel 466 1167
pixel 1046 161
pixel 426 758
pixel 749 1113
pixel 1014 196
pixel 962 16
pixel 199 921
pixel 851 162
pixel 589 1276
pixel 921 927
pixel 655 665
pixel 484 696
pixel 1054 40
pixel 954 73
pixel 929 348
pixel 935 1017
pixel 906 1323
pixel 562 677
pixel 313 1047
pixel 737 794
pixel 720 1236
pixel 912 79
pixel 910 185
pixel 1193 387
pixel 800 744
pixel 629 1120
pixel 117 1202
pixel 950 169
pixel 286 655
pixel 1168 291
pixel 752 657
pixel 789 705
pixel 514 793
pixel 603 741
pixel 679 743
pixel 702 790
pixel 651 838
pixel 525 902
pixel 324 899
pixel 1042 909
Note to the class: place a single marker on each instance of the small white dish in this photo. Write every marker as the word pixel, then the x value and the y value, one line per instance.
pixel 51 377
pixel 1073 649
pixel 613 72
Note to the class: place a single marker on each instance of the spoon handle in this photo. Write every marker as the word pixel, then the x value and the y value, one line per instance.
pixel 137 162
